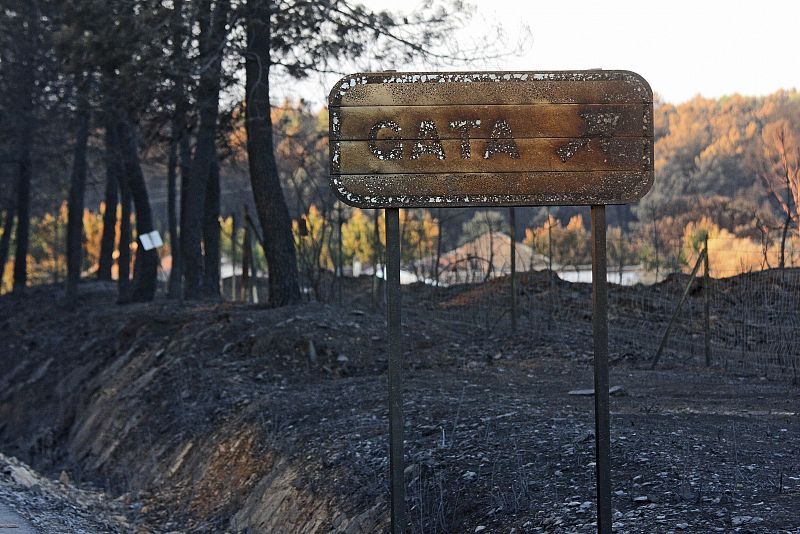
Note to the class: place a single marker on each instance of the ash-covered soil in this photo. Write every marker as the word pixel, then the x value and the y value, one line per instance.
pixel 232 418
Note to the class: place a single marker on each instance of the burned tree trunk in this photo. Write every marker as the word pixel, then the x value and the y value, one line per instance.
pixel 113 176
pixel 268 195
pixel 76 194
pixel 212 39
pixel 173 289
pixel 211 230
pixel 786 223
pixel 25 70
pixel 5 240
pixel 23 203
pixel 178 134
pixel 184 163
pixel 125 238
pixel 145 270
pixel 23 200
pixel 179 158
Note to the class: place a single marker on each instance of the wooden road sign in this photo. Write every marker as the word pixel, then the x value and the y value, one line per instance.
pixel 401 140
pixel 491 138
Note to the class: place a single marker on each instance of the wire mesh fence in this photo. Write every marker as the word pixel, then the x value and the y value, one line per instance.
pixel 753 307
pixel 753 317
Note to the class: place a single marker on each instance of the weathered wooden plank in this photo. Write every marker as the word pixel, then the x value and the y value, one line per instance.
pixel 525 121
pixel 492 189
pixel 415 89
pixel 542 154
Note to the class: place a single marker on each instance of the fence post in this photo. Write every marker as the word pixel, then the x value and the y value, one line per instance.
pixel 706 304
pixel 513 221
pixel 677 310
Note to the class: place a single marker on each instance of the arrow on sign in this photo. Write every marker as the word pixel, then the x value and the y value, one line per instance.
pixel 598 124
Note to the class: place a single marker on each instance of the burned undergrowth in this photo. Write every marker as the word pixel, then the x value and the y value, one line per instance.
pixel 227 417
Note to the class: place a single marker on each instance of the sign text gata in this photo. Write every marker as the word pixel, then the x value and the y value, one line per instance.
pixel 428 141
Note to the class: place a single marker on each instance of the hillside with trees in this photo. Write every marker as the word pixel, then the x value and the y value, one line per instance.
pixel 727 168
pixel 127 117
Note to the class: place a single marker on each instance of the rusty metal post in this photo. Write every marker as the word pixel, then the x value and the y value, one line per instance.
pixel 513 222
pixel 706 305
pixel 393 318
pixel 602 424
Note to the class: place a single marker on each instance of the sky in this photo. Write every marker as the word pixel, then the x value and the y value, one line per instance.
pixel 683 48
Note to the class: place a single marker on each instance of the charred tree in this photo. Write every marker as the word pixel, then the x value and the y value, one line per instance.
pixel 21 61
pixel 778 165
pixel 113 174
pixel 76 195
pixel 184 164
pixel 211 238
pixel 273 213
pixel 179 151
pixel 125 238
pixel 24 160
pixel 5 240
pixel 145 271
pixel 174 286
pixel 786 223
pixel 23 203
pixel 212 25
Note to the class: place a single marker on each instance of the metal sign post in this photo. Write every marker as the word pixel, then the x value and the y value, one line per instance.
pixel 512 219
pixel 392 278
pixel 602 424
pixel 469 139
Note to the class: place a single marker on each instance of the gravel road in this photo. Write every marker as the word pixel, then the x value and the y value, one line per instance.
pixel 12 523
pixel 33 504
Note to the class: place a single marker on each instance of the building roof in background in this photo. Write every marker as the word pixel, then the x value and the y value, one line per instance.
pixel 494 247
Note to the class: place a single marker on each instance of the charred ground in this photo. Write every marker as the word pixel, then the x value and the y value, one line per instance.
pixel 227 417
